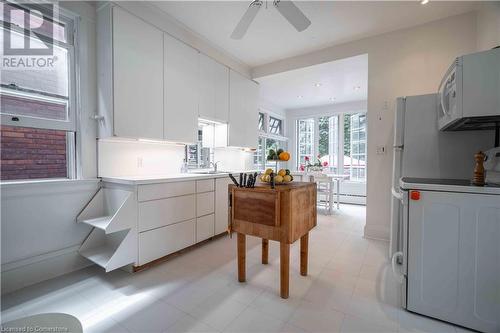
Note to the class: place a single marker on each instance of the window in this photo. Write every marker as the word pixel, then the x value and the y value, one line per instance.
pixel 265 144
pixel 342 147
pixel 261 121
pixel 328 141
pixel 305 140
pixel 355 146
pixel 37 101
pixel 275 126
pixel 198 156
pixel 269 138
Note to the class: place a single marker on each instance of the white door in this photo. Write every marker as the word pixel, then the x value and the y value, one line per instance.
pixel 181 91
pixel 243 111
pixel 454 258
pixel 137 77
pixel 214 90
pixel 206 108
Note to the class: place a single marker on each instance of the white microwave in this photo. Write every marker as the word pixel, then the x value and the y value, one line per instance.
pixel 469 94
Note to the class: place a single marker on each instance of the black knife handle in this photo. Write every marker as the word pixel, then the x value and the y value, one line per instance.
pixel 241 179
pixel 234 180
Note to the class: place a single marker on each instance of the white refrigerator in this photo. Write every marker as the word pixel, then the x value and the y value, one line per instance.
pixel 422 151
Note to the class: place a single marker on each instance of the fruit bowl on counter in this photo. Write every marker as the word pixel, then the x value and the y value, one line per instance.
pixel 283 176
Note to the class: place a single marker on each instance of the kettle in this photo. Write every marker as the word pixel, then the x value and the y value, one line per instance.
pixel 492 166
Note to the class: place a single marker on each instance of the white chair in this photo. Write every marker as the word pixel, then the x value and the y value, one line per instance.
pixel 324 190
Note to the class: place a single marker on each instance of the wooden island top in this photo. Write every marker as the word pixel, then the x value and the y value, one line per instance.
pixel 284 214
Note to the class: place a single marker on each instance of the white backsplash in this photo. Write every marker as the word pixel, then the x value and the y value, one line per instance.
pixel 232 159
pixel 139 158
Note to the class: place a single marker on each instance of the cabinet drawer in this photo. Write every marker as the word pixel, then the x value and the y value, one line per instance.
pixel 205 203
pixel 205 185
pixel 165 190
pixel 159 213
pixel 205 227
pixel 160 242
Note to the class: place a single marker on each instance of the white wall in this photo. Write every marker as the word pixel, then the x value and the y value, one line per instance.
pixel 233 160
pixel 40 235
pixel 405 62
pixel 488 25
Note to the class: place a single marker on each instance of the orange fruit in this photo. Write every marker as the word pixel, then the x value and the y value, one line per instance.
pixel 284 156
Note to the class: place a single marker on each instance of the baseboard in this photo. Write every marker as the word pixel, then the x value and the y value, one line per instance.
pixel 376 232
pixel 33 270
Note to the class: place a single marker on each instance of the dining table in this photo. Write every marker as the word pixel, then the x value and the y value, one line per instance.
pixel 333 179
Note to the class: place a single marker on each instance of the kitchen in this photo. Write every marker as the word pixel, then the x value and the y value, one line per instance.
pixel 143 57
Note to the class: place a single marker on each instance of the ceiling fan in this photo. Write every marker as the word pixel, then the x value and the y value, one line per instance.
pixel 286 8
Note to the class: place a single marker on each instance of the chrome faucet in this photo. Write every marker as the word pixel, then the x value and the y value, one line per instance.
pixel 214 165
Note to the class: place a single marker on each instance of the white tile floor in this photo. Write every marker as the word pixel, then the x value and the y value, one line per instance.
pixel 349 289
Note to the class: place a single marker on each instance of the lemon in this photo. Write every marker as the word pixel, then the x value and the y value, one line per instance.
pixel 269 171
pixel 282 172
pixel 287 178
pixel 267 178
pixel 278 179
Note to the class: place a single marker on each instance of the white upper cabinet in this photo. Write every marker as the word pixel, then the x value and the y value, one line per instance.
pixel 243 111
pixel 214 90
pixel 137 79
pixel 181 91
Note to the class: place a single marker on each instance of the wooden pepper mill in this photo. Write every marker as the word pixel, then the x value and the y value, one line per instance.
pixel 479 176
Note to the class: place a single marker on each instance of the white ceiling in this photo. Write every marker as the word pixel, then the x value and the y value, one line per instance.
pixel 344 80
pixel 271 37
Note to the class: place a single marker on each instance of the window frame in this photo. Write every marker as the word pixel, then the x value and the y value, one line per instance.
pixel 70 125
pixel 260 162
pixel 340 139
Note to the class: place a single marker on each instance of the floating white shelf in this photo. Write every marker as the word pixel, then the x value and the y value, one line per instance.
pixel 113 241
pixel 110 210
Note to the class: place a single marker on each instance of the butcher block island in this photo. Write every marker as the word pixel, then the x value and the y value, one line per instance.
pixel 284 214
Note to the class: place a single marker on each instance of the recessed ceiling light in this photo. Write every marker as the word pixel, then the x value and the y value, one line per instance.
pixel 332 99
pixel 300 96
pixel 317 84
pixel 424 2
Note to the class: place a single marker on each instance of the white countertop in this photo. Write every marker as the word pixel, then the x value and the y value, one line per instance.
pixel 446 185
pixel 168 178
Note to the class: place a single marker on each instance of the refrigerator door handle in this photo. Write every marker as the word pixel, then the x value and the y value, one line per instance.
pixel 399 147
pixel 394 263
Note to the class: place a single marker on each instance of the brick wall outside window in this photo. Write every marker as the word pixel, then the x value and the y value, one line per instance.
pixel 30 153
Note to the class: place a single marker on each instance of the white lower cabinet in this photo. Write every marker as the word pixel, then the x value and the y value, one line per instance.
pixel 205 203
pixel 204 227
pixel 221 204
pixel 158 213
pixel 169 216
pixel 160 242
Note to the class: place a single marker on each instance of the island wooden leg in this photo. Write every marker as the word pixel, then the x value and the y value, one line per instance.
pixel 265 251
pixel 241 257
pixel 284 269
pixel 304 246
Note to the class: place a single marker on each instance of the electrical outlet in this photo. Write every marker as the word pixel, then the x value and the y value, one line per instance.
pixel 139 162
pixel 380 150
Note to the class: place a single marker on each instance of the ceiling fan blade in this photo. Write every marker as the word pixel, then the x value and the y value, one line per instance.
pixel 246 20
pixel 292 14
